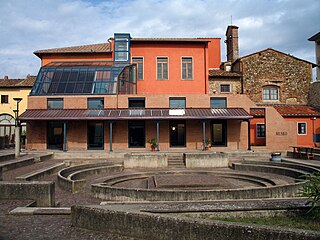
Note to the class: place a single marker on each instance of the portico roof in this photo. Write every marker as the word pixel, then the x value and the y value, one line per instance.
pixel 134 114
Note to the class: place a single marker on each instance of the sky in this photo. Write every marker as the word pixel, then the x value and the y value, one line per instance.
pixel 27 26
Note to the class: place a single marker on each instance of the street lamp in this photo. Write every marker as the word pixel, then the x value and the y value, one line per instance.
pixel 17 128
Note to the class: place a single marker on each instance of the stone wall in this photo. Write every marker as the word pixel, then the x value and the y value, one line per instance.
pixel 273 68
pixel 314 94
pixel 214 83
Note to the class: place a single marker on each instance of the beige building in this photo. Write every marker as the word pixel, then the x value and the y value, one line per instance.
pixel 10 89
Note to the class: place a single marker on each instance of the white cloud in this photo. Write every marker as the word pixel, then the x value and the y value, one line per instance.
pixel 27 26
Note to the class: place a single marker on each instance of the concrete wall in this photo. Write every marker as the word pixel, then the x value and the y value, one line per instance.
pixel 155 226
pixel 146 160
pixel 42 192
pixel 206 159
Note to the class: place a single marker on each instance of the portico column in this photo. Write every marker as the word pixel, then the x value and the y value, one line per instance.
pixel 249 137
pixel 64 136
pixel 158 135
pixel 110 136
pixel 204 135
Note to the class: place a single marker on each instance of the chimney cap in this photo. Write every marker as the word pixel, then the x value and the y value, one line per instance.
pixel 6 77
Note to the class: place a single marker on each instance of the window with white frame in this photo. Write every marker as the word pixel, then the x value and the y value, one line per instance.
pixel 302 128
pixel 225 88
pixel 186 67
pixel 139 62
pixel 261 130
pixel 162 68
pixel 270 93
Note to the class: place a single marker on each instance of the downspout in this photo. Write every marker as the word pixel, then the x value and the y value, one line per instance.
pixel 205 68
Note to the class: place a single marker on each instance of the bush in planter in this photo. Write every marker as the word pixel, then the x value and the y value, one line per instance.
pixel 208 143
pixel 153 143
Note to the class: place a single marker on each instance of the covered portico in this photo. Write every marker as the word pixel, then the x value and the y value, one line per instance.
pixel 127 127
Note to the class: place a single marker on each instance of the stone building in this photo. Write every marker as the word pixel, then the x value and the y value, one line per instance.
pixel 267 76
pixel 316 39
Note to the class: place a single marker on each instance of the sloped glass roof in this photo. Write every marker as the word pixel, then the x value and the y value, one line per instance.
pixel 95 77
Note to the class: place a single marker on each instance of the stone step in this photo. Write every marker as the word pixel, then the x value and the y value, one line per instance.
pixel 17 163
pixel 41 173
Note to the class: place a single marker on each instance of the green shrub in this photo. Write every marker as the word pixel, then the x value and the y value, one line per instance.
pixel 311 189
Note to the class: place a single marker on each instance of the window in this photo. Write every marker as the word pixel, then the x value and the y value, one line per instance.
pixel 95 103
pixel 55 103
pixel 121 47
pixel 179 102
pixel 136 134
pixel 136 102
pixel 139 62
pixel 187 68
pixel 4 98
pixel 216 102
pixel 225 88
pixel 261 131
pixel 270 93
pixel 302 128
pixel 162 68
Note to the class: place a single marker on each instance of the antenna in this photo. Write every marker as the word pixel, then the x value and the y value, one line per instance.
pixel 231 19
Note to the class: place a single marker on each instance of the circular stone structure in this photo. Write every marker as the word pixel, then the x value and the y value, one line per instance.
pixel 193 185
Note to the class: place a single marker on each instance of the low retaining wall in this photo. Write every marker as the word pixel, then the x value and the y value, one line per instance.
pixel 155 226
pixel 42 192
pixel 146 160
pixel 69 178
pixel 206 160
pixel 125 194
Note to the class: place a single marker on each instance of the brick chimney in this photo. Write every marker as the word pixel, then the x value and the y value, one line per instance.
pixel 232 43
pixel 6 77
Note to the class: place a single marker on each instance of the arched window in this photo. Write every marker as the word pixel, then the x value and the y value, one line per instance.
pixel 270 93
pixel 7 128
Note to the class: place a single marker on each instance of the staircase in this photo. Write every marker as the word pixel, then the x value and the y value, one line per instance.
pixel 176 161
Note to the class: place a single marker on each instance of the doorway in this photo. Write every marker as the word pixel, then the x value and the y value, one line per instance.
pixel 55 135
pixel 219 133
pixel 137 134
pixel 95 135
pixel 177 131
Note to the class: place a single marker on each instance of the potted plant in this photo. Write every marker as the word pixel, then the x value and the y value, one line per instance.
pixel 153 144
pixel 208 143
pixel 317 144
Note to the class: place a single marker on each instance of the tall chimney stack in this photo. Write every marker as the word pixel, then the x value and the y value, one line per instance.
pixel 232 43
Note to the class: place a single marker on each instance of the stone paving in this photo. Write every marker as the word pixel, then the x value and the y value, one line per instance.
pixel 58 226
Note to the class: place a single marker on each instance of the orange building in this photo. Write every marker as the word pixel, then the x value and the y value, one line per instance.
pixel 129 92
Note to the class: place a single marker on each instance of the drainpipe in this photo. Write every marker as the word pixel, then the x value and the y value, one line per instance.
pixel 249 137
pixel 158 135
pixel 110 136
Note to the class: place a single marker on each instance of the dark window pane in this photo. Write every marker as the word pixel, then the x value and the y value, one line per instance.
pixel 218 102
pixel 136 103
pixel 177 102
pixel 225 88
pixel 95 103
pixel 55 103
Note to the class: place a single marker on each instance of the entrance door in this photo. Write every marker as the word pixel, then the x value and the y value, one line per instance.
pixel 137 134
pixel 177 133
pixel 95 135
pixel 219 133
pixel 54 135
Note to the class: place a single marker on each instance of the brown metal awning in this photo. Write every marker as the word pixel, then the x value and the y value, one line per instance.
pixel 134 114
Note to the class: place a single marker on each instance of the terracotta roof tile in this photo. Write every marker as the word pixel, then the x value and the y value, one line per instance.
pixel 297 111
pixel 256 112
pixel 222 73
pixel 14 83
pixel 92 48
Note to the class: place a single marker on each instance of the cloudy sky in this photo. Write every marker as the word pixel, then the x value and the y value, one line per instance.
pixel 27 26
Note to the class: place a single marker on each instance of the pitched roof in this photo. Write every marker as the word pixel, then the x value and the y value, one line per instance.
pixel 92 48
pixel 257 112
pixel 315 37
pixel 106 47
pixel 222 73
pixel 271 49
pixel 16 83
pixel 297 111
pixel 125 114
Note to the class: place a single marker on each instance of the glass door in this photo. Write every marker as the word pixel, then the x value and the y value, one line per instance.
pixel 137 134
pixel 177 133
pixel 219 133
pixel 95 135
pixel 54 135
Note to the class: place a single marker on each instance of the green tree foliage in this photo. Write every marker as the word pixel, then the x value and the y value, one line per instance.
pixel 311 190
